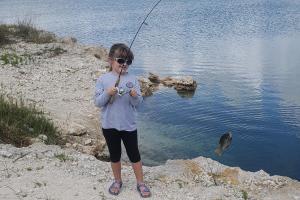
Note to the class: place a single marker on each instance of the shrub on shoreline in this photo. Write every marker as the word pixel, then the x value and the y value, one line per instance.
pixel 20 123
pixel 4 33
pixel 26 31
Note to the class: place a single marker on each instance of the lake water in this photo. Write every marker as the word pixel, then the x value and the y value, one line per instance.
pixel 243 54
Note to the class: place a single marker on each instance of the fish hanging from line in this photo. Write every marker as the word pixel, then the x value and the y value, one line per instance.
pixel 224 143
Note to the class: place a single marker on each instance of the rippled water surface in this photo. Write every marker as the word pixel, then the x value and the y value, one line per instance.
pixel 243 54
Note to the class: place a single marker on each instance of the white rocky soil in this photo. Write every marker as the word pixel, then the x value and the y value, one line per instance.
pixel 63 86
pixel 48 172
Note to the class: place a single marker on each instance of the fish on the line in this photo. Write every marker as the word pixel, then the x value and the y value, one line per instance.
pixel 224 143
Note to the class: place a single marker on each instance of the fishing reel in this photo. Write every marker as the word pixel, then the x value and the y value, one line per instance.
pixel 120 91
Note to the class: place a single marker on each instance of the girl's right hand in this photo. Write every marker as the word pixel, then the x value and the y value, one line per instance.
pixel 112 91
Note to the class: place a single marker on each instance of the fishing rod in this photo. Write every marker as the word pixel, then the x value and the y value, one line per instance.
pixel 144 21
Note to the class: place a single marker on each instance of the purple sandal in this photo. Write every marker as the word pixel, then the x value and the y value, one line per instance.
pixel 143 190
pixel 117 186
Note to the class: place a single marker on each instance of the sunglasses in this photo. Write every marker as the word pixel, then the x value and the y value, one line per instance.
pixel 122 61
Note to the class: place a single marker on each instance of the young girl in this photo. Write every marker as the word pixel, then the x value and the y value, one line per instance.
pixel 118 93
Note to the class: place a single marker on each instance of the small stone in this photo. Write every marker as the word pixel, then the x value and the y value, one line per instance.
pixel 69 40
pixel 6 154
pixel 58 164
pixel 75 145
pixel 43 137
pixel 77 130
pixel 22 71
pixel 91 158
pixel 88 142
pixel 93 173
pixel 68 144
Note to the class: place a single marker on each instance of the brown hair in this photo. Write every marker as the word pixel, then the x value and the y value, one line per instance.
pixel 120 50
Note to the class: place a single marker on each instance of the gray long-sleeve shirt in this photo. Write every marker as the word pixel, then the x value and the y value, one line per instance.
pixel 121 114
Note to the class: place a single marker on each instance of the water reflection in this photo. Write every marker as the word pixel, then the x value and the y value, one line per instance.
pixel 186 94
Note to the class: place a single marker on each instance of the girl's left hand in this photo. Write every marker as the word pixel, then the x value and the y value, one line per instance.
pixel 133 93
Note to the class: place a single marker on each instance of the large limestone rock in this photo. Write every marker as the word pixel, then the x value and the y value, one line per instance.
pixel 147 87
pixel 153 78
pixel 185 85
pixel 168 81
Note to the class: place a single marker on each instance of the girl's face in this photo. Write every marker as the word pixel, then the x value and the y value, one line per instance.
pixel 119 63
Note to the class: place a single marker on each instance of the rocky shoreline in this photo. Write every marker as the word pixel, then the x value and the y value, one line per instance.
pixel 59 78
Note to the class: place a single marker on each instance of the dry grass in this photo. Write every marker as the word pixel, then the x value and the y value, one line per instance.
pixel 24 30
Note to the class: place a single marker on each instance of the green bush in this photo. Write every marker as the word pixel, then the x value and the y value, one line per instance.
pixel 4 33
pixel 62 157
pixel 14 59
pixel 19 123
pixel 245 195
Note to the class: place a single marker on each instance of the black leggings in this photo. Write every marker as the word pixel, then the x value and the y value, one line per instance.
pixel 113 139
